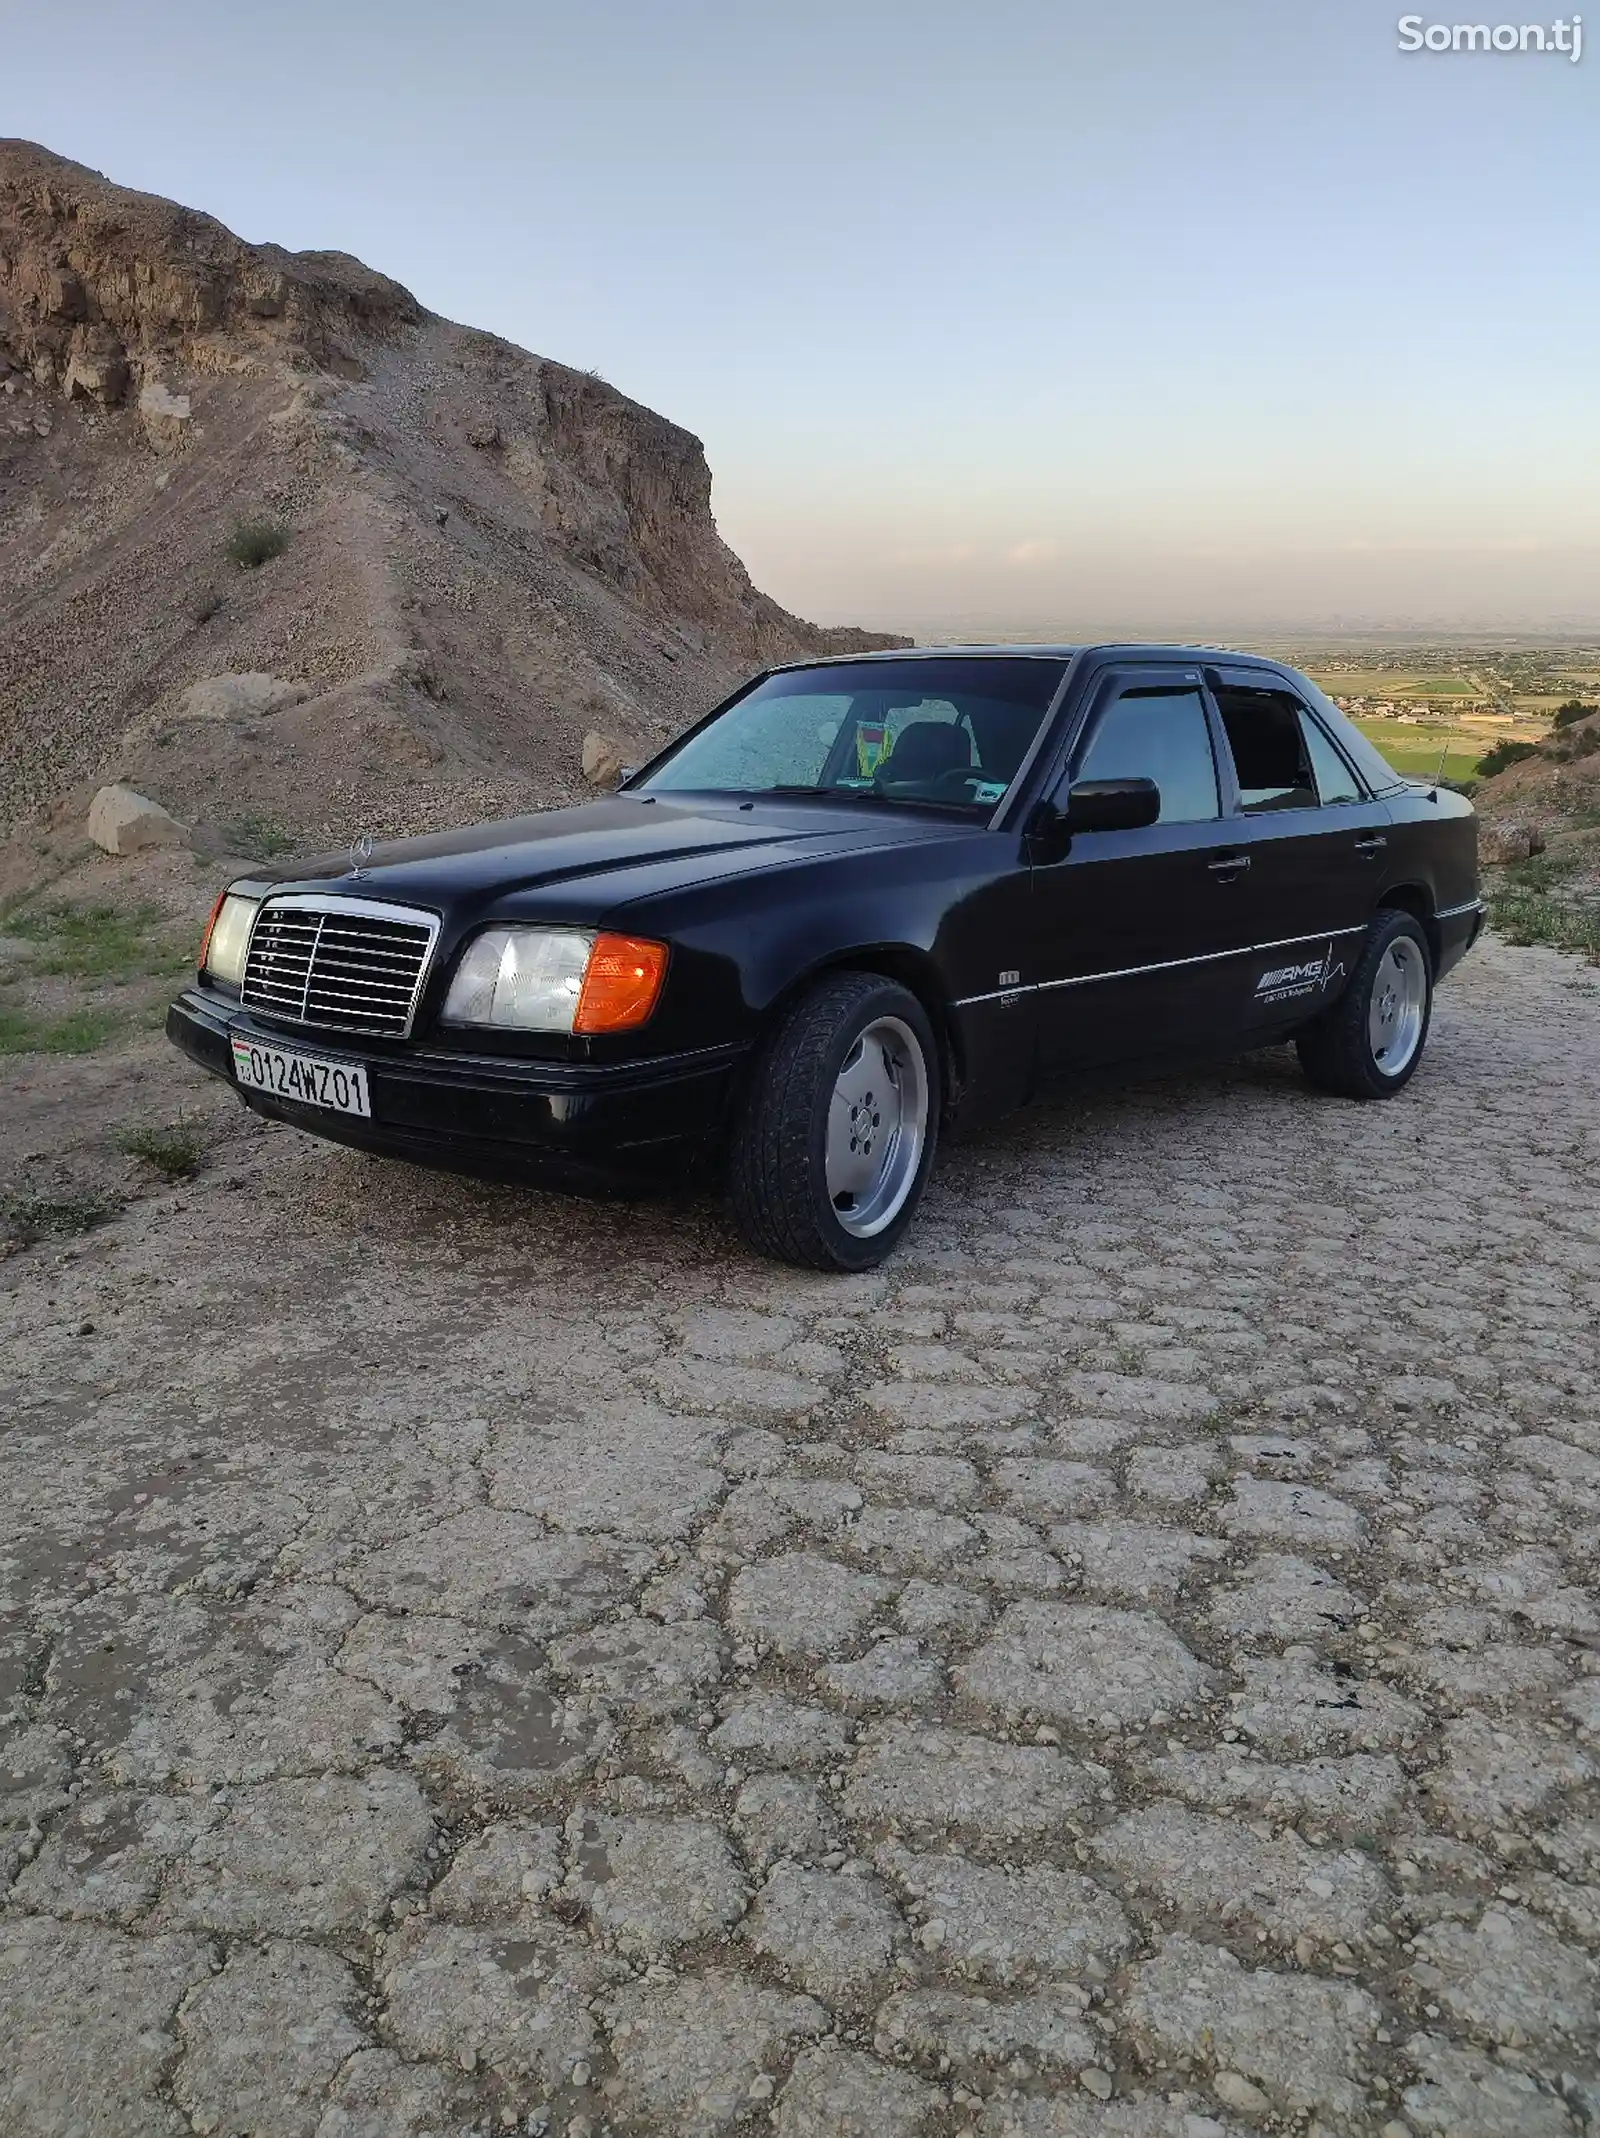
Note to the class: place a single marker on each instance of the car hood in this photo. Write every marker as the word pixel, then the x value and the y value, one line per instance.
pixel 612 845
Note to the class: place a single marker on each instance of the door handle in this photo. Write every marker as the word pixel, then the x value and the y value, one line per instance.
pixel 1227 866
pixel 1374 843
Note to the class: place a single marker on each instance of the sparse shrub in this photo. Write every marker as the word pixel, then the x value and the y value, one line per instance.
pixel 256 542
pixel 27 1218
pixel 1503 754
pixel 175 1152
pixel 1544 900
pixel 1524 916
pixel 208 604
pixel 261 838
pixel 97 942
pixel 78 1032
pixel 1544 872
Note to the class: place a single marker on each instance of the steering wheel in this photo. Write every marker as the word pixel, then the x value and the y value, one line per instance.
pixel 948 785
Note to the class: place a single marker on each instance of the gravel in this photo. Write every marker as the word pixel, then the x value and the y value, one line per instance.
pixel 1125 1670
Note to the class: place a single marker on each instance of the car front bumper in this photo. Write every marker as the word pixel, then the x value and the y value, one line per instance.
pixel 584 1126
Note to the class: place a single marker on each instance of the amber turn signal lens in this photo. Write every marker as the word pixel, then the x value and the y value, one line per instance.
pixel 205 940
pixel 621 984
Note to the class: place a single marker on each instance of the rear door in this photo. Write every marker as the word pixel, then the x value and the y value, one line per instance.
pixel 1137 935
pixel 1315 841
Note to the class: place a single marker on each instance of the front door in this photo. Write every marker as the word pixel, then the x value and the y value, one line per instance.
pixel 1137 935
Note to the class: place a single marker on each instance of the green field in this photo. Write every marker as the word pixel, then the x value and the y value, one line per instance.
pixel 1461 700
pixel 1392 683
pixel 1415 751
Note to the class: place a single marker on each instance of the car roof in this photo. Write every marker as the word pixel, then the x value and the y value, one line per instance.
pixel 1120 649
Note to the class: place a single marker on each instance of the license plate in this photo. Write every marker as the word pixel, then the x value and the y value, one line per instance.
pixel 306 1078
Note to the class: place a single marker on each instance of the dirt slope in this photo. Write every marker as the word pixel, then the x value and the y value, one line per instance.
pixel 1560 786
pixel 489 554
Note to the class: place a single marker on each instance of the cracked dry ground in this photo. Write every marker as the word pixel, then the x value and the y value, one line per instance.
pixel 1128 1670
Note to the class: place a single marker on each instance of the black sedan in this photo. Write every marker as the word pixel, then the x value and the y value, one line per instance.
pixel 864 902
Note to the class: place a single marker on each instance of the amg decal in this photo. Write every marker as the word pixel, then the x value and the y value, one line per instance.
pixel 1286 983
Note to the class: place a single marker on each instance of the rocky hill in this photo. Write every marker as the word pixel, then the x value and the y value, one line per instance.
pixel 285 550
pixel 1555 784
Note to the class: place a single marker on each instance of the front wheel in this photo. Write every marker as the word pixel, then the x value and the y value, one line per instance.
pixel 1369 1044
pixel 839 1128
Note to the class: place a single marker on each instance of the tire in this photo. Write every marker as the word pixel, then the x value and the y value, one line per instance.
pixel 798 1121
pixel 1345 1051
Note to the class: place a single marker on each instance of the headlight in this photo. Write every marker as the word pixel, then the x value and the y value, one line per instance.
pixel 227 937
pixel 556 980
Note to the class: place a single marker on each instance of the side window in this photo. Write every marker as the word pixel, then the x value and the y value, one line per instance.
pixel 1269 750
pixel 1161 735
pixel 1335 780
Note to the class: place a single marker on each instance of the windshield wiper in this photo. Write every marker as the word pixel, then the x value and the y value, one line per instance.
pixel 872 794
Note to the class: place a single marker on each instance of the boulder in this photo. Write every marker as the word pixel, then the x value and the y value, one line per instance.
pixel 96 374
pixel 165 416
pixel 602 761
pixel 127 823
pixel 245 696
pixel 1501 843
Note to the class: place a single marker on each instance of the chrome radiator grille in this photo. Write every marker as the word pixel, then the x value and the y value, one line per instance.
pixel 348 963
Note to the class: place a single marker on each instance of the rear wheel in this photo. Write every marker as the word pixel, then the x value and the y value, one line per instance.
pixel 1369 1044
pixel 838 1132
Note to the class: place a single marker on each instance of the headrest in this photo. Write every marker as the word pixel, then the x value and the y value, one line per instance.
pixel 925 749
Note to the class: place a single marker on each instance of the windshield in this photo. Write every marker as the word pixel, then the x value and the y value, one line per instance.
pixel 951 733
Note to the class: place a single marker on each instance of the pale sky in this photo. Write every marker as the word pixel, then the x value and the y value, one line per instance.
pixel 1025 315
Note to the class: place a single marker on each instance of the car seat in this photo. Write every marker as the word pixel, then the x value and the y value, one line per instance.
pixel 926 749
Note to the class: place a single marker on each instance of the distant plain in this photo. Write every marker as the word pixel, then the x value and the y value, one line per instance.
pixel 1455 703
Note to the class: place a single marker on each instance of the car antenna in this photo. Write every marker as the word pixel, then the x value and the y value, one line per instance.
pixel 1438 777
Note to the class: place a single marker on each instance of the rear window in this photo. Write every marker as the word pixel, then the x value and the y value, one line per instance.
pixel 1367 758
pixel 1268 746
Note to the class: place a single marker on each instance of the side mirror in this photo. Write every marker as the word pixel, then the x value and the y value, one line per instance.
pixel 1112 805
